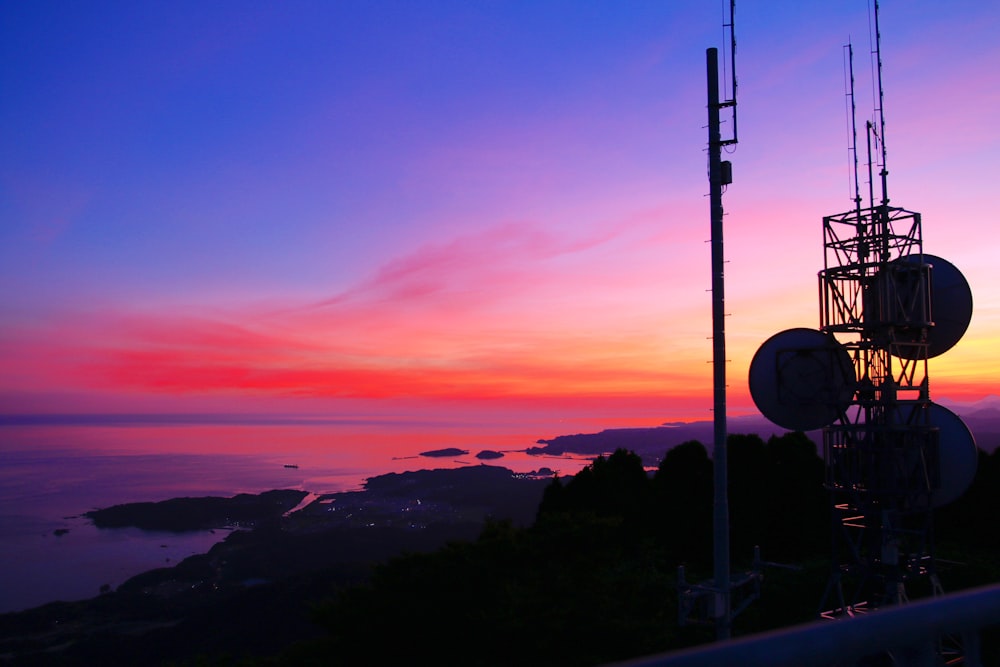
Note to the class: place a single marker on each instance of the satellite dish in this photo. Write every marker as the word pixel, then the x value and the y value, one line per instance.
pixel 950 303
pixel 957 455
pixel 802 379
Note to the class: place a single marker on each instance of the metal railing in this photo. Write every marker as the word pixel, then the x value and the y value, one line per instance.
pixel 910 634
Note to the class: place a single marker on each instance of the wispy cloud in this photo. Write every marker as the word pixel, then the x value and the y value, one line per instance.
pixel 500 259
pixel 454 319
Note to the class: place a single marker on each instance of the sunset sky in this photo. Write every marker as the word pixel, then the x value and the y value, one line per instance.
pixel 397 208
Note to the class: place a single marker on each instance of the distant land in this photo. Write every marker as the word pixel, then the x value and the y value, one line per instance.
pixel 651 443
pixel 982 418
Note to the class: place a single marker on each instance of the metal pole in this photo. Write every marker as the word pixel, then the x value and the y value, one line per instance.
pixel 721 504
pixel 881 109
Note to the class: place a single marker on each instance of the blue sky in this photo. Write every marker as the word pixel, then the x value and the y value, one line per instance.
pixel 332 204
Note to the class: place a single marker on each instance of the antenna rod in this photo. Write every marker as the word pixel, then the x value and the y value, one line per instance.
pixel 870 129
pixel 720 515
pixel 732 66
pixel 854 129
pixel 860 222
pixel 881 108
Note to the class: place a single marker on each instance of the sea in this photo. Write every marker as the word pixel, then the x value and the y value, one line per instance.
pixel 54 469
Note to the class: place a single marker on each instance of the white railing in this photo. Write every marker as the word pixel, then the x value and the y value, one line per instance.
pixel 911 634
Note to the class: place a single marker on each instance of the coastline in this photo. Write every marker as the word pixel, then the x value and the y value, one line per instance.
pixel 46 487
pixel 335 539
pixel 53 474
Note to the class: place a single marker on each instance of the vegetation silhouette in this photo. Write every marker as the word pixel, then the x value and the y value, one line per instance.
pixel 593 579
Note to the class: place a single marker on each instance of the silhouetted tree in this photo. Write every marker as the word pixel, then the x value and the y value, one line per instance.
pixel 972 518
pixel 777 498
pixel 682 492
pixel 561 592
pixel 798 508
pixel 617 485
pixel 748 495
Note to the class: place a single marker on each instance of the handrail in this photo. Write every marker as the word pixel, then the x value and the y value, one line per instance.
pixel 909 631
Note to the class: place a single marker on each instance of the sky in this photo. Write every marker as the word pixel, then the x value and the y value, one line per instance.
pixel 456 208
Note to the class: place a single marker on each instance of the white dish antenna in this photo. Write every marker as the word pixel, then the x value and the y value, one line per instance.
pixel 802 379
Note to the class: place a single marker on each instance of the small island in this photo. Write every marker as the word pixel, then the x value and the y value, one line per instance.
pixel 447 451
pixel 179 515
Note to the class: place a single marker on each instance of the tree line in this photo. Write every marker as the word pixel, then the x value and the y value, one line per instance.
pixel 593 579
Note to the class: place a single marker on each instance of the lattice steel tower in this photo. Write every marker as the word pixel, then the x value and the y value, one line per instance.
pixel 892 454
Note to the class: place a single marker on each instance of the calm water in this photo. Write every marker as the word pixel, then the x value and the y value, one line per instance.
pixel 51 474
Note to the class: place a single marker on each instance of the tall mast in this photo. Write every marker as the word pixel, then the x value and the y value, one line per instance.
pixel 719 175
pixel 720 516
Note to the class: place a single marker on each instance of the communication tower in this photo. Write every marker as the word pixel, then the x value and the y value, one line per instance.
pixel 893 456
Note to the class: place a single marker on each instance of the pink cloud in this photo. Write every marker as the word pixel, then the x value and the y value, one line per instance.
pixel 450 320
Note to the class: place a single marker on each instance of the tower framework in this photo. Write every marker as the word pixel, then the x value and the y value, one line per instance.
pixel 883 452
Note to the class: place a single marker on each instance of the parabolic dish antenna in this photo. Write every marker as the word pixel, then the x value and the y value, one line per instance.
pixel 958 456
pixel 802 379
pixel 951 307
